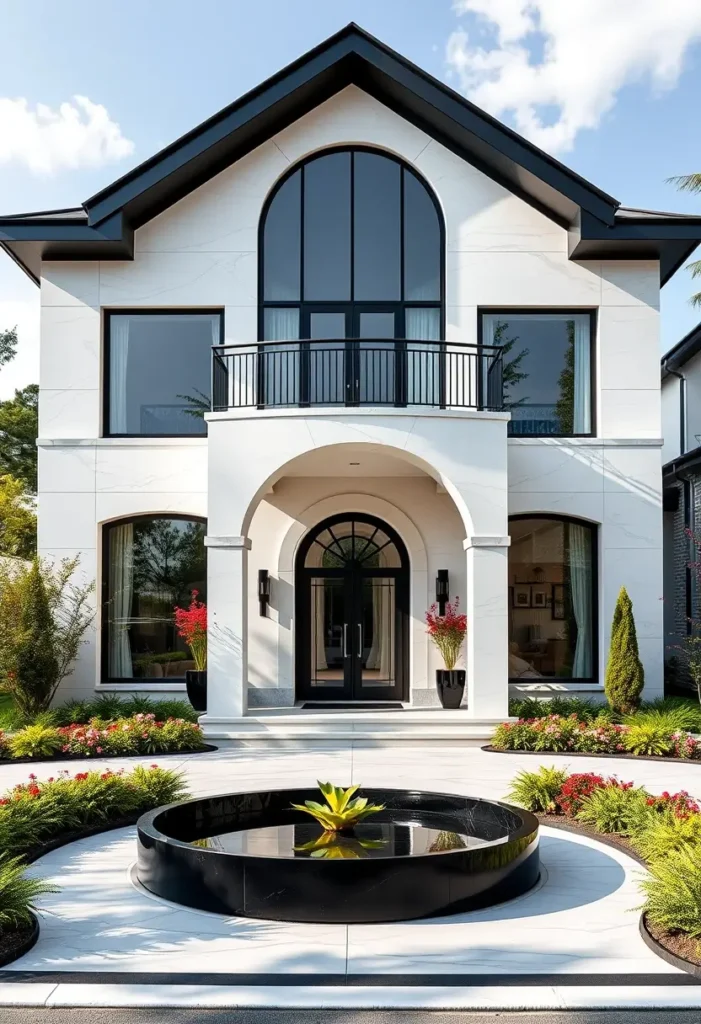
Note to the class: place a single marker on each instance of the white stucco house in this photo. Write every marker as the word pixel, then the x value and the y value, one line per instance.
pixel 349 334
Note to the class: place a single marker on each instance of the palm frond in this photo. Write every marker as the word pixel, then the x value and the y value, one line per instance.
pixel 686 182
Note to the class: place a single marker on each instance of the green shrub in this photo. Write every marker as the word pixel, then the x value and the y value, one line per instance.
pixel 538 791
pixel 44 615
pixel 670 714
pixel 36 812
pixel 648 739
pixel 532 707
pixel 673 891
pixel 35 741
pixel 514 736
pixel 617 808
pixel 18 893
pixel 108 707
pixel 666 834
pixel 625 677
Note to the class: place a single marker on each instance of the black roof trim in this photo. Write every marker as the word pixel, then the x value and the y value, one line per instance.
pixel 682 352
pixel 681 465
pixel 599 227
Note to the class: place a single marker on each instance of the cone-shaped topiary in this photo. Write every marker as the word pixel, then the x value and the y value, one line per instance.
pixel 625 676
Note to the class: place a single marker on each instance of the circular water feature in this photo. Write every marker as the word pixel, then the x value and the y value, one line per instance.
pixel 252 855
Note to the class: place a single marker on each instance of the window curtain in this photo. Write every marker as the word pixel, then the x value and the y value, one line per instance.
pixel 121 579
pixel 319 590
pixel 380 656
pixel 581 589
pixel 582 376
pixel 119 360
pixel 423 382
pixel 280 363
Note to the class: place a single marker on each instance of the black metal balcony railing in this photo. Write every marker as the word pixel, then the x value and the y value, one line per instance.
pixel 368 372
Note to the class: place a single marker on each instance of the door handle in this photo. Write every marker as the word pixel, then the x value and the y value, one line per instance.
pixel 345 639
pixel 360 640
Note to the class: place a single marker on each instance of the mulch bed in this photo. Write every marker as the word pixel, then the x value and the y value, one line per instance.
pixel 680 950
pixel 102 757
pixel 15 942
pixel 578 753
pixel 564 824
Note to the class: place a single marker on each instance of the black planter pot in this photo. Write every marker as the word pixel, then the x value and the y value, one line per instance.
pixel 196 683
pixel 450 684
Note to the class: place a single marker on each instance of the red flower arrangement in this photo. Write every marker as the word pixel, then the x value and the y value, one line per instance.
pixel 191 624
pixel 447 631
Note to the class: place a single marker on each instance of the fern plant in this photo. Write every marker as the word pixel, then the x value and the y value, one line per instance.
pixel 666 834
pixel 18 893
pixel 617 808
pixel 673 891
pixel 341 813
pixel 538 791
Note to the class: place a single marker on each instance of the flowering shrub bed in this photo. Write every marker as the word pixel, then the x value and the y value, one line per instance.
pixel 35 812
pixel 664 830
pixel 138 734
pixel 565 734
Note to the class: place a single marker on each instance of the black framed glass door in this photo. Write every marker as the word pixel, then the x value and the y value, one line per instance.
pixel 352 598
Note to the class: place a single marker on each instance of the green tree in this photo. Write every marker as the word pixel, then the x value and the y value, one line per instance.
pixel 564 407
pixel 18 435
pixel 44 615
pixel 690 183
pixel 36 664
pixel 625 676
pixel 512 374
pixel 18 522
pixel 8 345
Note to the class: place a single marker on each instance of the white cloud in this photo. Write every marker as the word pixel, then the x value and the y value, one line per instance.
pixel 78 134
pixel 554 67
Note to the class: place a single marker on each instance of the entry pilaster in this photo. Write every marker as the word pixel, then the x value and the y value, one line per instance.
pixel 227 627
pixel 487 626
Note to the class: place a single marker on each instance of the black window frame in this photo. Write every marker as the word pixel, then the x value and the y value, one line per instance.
pixel 107 314
pixel 105 678
pixel 594 531
pixel 398 306
pixel 535 311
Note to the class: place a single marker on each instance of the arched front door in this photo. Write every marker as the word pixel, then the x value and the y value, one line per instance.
pixel 352 611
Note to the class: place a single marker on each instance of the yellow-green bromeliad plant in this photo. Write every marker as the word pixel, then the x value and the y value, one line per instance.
pixel 341 813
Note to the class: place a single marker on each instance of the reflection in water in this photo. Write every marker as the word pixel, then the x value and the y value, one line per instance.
pixel 367 840
pixel 335 846
pixel 447 841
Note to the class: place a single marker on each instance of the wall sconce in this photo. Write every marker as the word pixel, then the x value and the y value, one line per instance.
pixel 263 591
pixel 442 590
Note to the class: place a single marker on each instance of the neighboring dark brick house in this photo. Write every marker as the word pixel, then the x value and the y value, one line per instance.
pixel 681 419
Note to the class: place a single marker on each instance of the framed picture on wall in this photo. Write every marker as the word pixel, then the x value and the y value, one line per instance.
pixel 539 597
pixel 558 607
pixel 521 596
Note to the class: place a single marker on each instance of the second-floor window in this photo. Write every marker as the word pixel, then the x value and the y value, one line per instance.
pixel 547 368
pixel 158 372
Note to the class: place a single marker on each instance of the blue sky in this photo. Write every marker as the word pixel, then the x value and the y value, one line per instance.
pixel 159 67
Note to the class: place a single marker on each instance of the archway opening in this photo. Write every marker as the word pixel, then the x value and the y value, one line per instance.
pixel 352 612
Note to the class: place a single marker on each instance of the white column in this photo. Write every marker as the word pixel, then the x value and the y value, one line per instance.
pixel 227 627
pixel 487 627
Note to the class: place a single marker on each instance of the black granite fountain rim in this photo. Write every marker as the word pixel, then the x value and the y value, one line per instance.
pixel 147 823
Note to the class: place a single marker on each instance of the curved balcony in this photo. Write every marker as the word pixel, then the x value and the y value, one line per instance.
pixel 367 372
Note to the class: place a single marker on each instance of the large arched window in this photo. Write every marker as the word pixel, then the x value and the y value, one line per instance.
pixel 552 598
pixel 351 247
pixel 150 565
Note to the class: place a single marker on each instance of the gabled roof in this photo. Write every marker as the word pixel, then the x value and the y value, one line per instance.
pixel 599 228
pixel 682 352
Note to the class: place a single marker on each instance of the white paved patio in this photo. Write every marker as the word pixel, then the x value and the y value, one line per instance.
pixel 580 920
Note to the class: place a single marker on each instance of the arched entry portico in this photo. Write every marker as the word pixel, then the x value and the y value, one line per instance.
pixel 352 611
